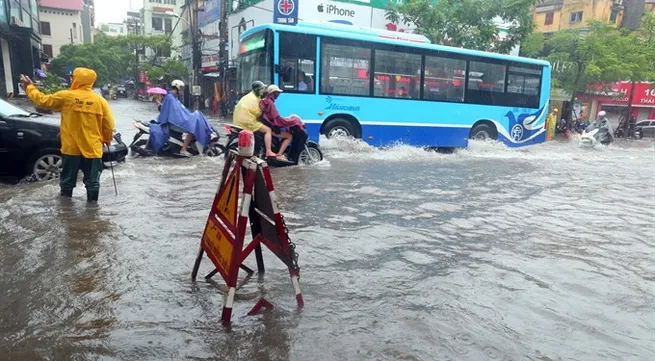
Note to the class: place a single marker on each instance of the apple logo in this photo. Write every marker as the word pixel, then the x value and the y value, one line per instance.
pixel 320 8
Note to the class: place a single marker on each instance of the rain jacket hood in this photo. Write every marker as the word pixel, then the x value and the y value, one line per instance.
pixel 247 113
pixel 83 78
pixel 86 120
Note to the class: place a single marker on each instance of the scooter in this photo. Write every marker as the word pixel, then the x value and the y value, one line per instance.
pixel 302 151
pixel 143 148
pixel 593 136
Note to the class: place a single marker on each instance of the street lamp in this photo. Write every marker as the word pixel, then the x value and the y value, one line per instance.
pixel 176 15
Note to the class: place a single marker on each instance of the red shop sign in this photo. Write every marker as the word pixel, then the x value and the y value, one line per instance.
pixel 619 93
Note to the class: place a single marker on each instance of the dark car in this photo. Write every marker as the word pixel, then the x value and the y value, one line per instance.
pixel 645 128
pixel 29 144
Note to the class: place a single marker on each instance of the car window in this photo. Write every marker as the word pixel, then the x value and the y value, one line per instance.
pixel 643 123
pixel 7 109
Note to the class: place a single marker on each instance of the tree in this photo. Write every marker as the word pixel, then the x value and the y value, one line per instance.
pixel 579 57
pixel 471 24
pixel 168 71
pixel 533 45
pixel 113 58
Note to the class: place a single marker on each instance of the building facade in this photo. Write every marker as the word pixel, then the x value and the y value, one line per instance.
pixel 157 16
pixel 62 24
pixel 113 29
pixel 553 15
pixel 20 43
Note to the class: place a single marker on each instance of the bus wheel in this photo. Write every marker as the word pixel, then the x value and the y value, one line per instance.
pixel 483 132
pixel 339 128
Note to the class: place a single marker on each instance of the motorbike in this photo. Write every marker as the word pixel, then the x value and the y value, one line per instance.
pixel 302 151
pixel 143 148
pixel 594 135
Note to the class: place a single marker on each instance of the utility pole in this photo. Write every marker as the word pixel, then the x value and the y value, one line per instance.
pixel 223 60
pixel 196 51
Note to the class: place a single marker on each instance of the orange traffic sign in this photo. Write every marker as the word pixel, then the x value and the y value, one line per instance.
pixel 218 246
pixel 226 206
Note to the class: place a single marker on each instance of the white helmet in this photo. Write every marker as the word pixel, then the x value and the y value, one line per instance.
pixel 602 114
pixel 177 84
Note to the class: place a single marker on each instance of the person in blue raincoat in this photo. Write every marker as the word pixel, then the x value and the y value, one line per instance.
pixel 174 116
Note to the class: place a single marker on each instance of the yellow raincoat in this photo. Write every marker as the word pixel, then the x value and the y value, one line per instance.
pixel 86 120
pixel 247 113
pixel 551 122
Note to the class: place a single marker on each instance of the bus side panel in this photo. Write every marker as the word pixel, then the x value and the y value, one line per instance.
pixel 388 121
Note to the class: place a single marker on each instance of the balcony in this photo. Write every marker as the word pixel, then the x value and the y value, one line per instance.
pixel 548 5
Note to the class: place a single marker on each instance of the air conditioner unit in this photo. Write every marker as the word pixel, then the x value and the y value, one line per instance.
pixel 17 21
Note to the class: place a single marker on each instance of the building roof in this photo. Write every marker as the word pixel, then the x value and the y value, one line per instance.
pixel 75 5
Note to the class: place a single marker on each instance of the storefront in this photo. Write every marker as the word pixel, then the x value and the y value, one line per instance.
pixel 614 98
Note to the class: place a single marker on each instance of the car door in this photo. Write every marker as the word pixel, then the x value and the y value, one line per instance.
pixel 649 129
pixel 5 156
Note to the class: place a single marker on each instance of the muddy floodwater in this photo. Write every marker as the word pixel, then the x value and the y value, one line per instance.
pixel 543 253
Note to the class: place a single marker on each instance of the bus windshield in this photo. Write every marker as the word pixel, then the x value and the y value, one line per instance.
pixel 255 60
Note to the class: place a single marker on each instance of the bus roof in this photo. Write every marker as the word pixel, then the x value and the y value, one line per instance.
pixel 381 36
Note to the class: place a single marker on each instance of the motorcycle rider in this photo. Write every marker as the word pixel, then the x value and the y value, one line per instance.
pixel 177 89
pixel 602 122
pixel 247 113
pixel 271 115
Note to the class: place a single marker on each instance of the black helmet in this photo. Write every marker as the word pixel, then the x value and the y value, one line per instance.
pixel 258 86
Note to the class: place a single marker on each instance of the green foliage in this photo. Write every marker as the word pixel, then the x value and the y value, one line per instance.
pixel 112 58
pixel 53 84
pixel 168 71
pixel 603 54
pixel 533 45
pixel 466 23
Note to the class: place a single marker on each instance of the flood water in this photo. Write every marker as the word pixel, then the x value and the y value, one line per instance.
pixel 543 253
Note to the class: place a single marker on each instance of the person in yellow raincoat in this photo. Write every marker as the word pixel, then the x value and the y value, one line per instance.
pixel 247 113
pixel 86 124
pixel 551 123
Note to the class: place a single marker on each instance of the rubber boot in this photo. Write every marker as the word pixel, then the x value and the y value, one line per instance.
pixel 66 193
pixel 92 196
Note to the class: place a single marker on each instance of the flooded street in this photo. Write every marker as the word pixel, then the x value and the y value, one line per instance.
pixel 543 253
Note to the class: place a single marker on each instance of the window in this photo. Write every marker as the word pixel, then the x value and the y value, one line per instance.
pixel 486 77
pixel 168 25
pixel 255 60
pixel 47 50
pixel 45 28
pixel 575 17
pixel 74 31
pixel 486 83
pixel 397 75
pixel 526 83
pixel 345 69
pixel 549 18
pixel 297 63
pixel 157 24
pixel 444 79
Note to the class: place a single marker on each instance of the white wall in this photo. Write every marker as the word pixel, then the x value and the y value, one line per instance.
pixel 261 13
pixel 61 23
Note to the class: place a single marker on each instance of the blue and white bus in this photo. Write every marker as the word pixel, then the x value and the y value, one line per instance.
pixel 388 87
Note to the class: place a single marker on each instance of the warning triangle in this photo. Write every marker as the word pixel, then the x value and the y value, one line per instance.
pixel 226 207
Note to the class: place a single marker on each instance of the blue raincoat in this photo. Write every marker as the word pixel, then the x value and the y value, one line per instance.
pixel 172 111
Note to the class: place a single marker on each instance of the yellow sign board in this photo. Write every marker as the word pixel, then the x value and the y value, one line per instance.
pixel 226 206
pixel 218 247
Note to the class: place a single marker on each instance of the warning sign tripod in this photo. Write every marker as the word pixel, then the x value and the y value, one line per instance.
pixel 224 234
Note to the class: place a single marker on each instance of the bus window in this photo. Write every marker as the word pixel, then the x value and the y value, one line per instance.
pixel 486 83
pixel 523 86
pixel 297 62
pixel 397 75
pixel 444 79
pixel 345 70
